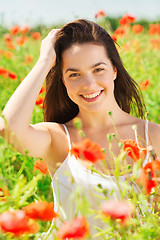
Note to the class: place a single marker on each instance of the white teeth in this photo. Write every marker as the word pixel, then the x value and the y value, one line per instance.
pixel 93 95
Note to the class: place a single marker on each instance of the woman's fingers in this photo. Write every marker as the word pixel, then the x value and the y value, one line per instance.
pixel 53 32
pixel 47 47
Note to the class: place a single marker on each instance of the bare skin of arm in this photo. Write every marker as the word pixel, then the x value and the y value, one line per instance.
pixel 16 129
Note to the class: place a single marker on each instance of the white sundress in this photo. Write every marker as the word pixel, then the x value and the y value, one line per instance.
pixel 82 177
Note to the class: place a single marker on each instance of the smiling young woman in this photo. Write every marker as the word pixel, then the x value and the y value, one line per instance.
pixel 73 38
pixel 85 78
pixel 88 76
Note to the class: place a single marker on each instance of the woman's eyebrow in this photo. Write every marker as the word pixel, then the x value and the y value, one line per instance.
pixel 97 64
pixel 72 70
pixel 77 70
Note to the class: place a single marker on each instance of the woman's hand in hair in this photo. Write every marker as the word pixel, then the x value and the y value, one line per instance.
pixel 47 52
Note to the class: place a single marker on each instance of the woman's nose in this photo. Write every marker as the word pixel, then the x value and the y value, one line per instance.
pixel 89 82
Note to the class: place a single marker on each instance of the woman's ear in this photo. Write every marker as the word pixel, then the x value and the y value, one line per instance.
pixel 115 73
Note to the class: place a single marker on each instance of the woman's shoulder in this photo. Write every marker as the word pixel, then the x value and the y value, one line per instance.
pixel 59 146
pixel 154 130
pixel 58 133
pixel 53 127
pixel 154 136
pixel 152 127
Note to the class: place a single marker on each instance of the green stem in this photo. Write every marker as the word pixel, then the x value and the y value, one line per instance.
pixel 22 167
pixel 120 190
pixel 104 232
pixel 29 188
pixel 115 129
pixel 96 171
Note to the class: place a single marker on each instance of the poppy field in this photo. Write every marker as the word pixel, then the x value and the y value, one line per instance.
pixel 26 198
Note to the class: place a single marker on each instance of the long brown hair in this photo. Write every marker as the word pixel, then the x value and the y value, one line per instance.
pixel 58 106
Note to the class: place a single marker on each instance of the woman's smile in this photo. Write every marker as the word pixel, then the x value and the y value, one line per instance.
pixel 92 97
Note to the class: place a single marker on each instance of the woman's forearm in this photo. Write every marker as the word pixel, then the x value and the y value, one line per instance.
pixel 15 125
pixel 18 110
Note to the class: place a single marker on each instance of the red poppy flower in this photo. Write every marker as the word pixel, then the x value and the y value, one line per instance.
pixel 20 40
pixel 10 45
pixel 39 100
pixel 41 210
pixel 36 35
pixel 119 32
pixel 88 150
pixel 77 229
pixel 154 29
pixel 149 175
pixel 145 84
pixel 7 37
pixel 3 72
pixel 28 59
pixel 24 29
pixel 155 43
pixel 126 19
pixel 137 28
pixel 14 30
pixel 43 89
pixel 130 18
pixel 40 165
pixel 100 13
pixel 123 21
pixel 12 75
pixel 114 37
pixel 17 222
pixel 135 151
pixel 117 209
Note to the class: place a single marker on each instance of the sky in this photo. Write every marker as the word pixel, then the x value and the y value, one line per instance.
pixel 50 12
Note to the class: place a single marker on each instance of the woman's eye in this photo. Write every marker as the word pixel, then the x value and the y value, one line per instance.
pixel 74 75
pixel 98 69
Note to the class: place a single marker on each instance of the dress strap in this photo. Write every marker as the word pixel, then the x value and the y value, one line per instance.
pixel 146 133
pixel 68 136
pixel 147 144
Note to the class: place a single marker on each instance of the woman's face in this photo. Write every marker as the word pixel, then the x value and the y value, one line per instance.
pixel 88 76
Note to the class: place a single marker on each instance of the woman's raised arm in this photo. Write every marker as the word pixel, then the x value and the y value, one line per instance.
pixel 16 128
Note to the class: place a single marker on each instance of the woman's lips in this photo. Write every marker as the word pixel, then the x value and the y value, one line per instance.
pixel 92 96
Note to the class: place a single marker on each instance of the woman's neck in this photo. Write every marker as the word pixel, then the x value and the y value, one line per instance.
pixel 101 119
